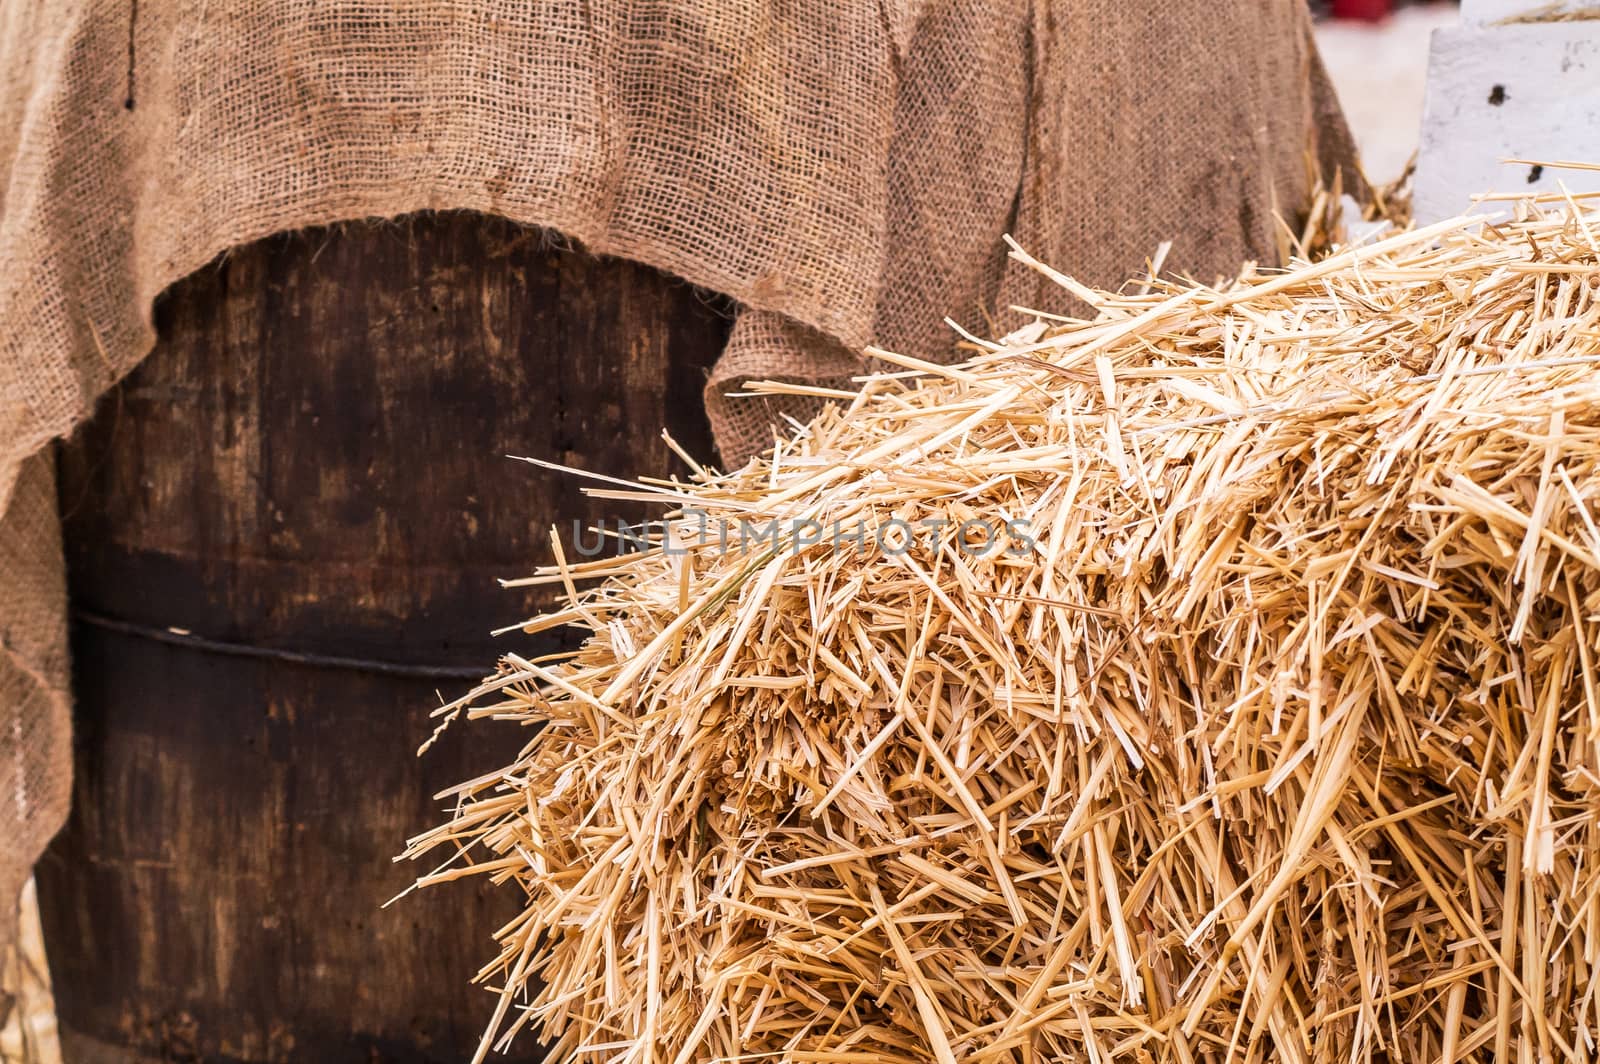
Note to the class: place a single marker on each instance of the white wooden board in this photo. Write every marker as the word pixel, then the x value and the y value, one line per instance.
pixel 1524 90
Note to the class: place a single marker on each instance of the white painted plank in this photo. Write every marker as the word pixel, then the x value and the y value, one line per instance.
pixel 1527 91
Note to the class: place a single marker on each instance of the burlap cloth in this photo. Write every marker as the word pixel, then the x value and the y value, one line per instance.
pixel 844 169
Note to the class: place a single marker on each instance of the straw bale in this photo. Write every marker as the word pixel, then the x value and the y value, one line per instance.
pixel 1265 727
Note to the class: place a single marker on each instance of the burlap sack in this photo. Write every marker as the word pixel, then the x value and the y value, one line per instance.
pixel 842 168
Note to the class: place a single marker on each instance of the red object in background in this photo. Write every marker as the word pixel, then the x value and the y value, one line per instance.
pixel 1367 10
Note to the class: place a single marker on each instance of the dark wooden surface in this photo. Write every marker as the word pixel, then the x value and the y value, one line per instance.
pixel 311 460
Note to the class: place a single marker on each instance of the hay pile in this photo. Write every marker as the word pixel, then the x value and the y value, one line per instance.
pixel 1263 726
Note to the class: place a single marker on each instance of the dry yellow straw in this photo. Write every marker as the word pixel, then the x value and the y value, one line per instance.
pixel 1263 723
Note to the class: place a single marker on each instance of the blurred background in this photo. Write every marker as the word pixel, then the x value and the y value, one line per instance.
pixel 1377 54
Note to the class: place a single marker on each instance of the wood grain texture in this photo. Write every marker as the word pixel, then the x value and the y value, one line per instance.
pixel 312 460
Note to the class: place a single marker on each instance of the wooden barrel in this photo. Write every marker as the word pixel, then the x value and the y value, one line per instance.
pixel 283 536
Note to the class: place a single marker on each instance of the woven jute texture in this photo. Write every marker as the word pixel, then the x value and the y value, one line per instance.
pixel 844 169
